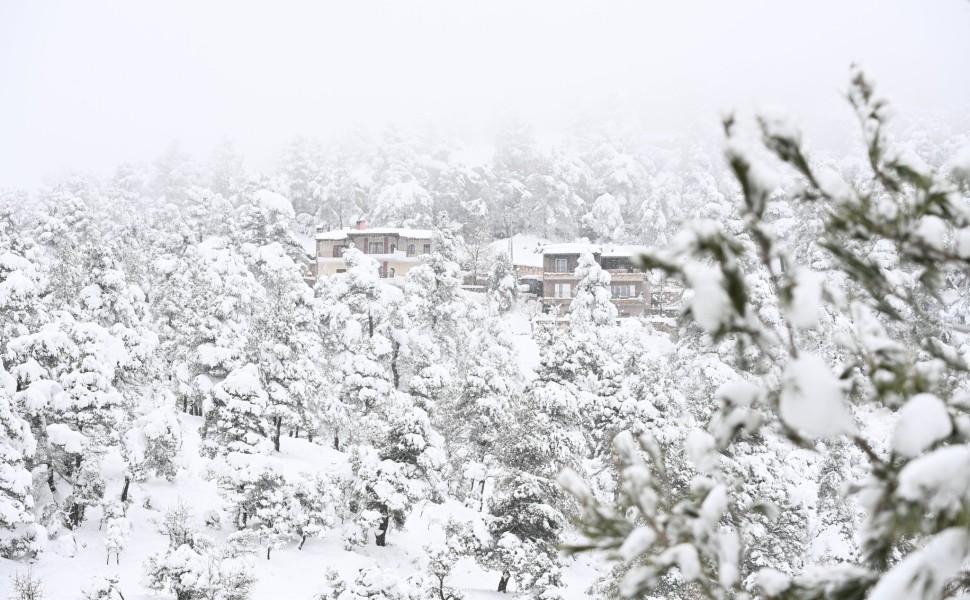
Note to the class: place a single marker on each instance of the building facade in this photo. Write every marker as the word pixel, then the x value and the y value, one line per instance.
pixel 629 286
pixel 396 249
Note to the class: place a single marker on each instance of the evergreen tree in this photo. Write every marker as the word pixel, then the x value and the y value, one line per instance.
pixel 17 446
pixel 502 285
pixel 235 419
pixel 286 344
pixel 592 306
pixel 65 374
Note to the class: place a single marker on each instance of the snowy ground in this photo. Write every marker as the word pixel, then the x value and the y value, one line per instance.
pixel 73 560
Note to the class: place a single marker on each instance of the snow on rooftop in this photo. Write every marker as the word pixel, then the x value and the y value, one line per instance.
pixel 342 234
pixel 526 249
pixel 571 248
pixel 601 249
pixel 339 234
pixel 623 250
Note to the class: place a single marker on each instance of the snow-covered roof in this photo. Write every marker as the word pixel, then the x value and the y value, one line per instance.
pixel 526 249
pixel 623 250
pixel 307 243
pixel 618 250
pixel 342 234
pixel 572 248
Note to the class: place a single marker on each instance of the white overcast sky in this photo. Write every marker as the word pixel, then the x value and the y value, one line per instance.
pixel 88 84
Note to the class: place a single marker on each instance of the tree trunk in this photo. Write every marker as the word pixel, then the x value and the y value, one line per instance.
pixel 336 441
pixel 303 541
pixel 503 583
pixel 276 436
pixel 381 535
pixel 397 378
pixel 124 490
pixel 75 515
pixel 481 497
pixel 268 548
pixel 50 479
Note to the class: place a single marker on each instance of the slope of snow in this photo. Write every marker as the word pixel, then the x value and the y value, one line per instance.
pixel 521 328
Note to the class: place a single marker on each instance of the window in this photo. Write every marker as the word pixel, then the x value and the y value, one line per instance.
pixel 393 248
pixel 623 290
pixel 562 290
pixel 411 250
pixel 561 265
pixel 392 273
pixel 617 263
pixel 427 248
pixel 338 251
pixel 375 248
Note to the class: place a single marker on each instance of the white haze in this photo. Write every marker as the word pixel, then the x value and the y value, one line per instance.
pixel 86 85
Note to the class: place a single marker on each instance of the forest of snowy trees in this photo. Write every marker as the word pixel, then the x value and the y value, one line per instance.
pixel 176 398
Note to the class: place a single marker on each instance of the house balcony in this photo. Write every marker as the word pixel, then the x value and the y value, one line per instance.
pixel 396 256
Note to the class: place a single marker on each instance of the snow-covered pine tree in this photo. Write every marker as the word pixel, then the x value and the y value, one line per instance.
pixel 375 582
pixel 502 284
pixel 21 283
pixel 102 588
pixel 301 170
pixel 591 305
pixel 65 374
pixel 117 531
pixel 193 566
pixel 435 321
pixel 477 417
pixel 152 444
pixel 265 218
pixel 235 419
pixel 318 497
pixel 271 509
pixel 558 195
pixel 529 512
pixel 286 344
pixel 354 320
pixel 404 466
pixel 204 302
pixel 17 446
pixel 225 169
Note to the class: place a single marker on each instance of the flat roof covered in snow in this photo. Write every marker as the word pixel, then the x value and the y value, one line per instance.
pixel 342 234
pixel 601 249
pixel 526 249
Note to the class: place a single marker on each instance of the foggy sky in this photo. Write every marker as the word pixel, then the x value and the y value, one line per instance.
pixel 86 85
